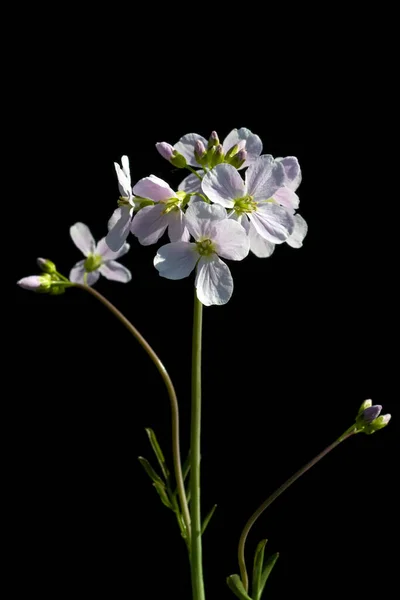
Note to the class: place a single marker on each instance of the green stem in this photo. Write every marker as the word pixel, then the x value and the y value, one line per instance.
pixel 194 172
pixel 274 496
pixel 172 396
pixel 195 512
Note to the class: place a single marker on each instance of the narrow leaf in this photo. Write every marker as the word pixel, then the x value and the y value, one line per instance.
pixel 150 471
pixel 235 584
pixel 208 519
pixel 158 452
pixel 257 570
pixel 268 566
pixel 163 494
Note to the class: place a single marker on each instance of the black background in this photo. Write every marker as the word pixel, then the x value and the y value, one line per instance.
pixel 307 336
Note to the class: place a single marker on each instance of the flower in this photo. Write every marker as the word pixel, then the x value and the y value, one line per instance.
pixel 265 221
pixel 99 258
pixel 236 141
pixel 215 236
pixel 121 218
pixel 150 222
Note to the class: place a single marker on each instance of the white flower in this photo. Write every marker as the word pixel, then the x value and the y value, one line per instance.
pixel 121 218
pixel 252 202
pixel 99 258
pixel 150 222
pixel 215 236
pixel 243 138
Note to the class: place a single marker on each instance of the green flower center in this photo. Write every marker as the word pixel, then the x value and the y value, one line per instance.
pixel 205 247
pixel 92 262
pixel 244 205
pixel 173 204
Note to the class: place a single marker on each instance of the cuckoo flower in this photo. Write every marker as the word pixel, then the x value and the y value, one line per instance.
pixel 121 218
pixel 215 236
pixel 252 202
pixel 99 258
pixel 238 140
pixel 150 222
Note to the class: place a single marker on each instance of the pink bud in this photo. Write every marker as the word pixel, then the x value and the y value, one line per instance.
pixel 33 282
pixel 199 148
pixel 166 150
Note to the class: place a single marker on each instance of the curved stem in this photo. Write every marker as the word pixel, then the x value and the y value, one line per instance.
pixel 196 549
pixel 194 172
pixel 274 496
pixel 172 396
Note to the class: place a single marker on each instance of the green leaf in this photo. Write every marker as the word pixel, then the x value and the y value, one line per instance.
pixel 208 519
pixel 268 566
pixel 158 452
pixel 235 584
pixel 257 570
pixel 150 471
pixel 160 487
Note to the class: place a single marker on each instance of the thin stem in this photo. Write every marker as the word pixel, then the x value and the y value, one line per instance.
pixel 195 512
pixel 195 172
pixel 274 496
pixel 172 396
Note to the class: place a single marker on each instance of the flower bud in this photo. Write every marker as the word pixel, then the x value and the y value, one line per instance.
pixel 46 265
pixel 199 151
pixel 218 156
pixel 178 160
pixel 166 150
pixel 239 158
pixel 364 405
pixel 369 414
pixel 36 283
pixel 213 140
pixel 377 424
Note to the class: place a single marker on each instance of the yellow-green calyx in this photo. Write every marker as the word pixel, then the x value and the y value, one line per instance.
pixel 123 201
pixel 205 247
pixel 173 204
pixel 244 205
pixel 93 262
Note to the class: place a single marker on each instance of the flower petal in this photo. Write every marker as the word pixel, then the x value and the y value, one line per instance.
pixel 125 167
pixel 149 224
pixel 264 177
pixel 258 245
pixel 200 216
pixel 120 223
pixel 190 184
pixel 272 222
pixel 82 238
pixel 230 239
pixel 292 172
pixel 223 184
pixel 106 253
pixel 77 274
pixel 253 145
pixel 115 271
pixel 214 283
pixel 176 261
pixel 124 182
pixel 242 219
pixel 177 230
pixel 287 198
pixel 299 232
pixel 154 188
pixel 186 145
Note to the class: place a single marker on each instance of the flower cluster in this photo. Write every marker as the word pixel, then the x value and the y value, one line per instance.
pixel 224 214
